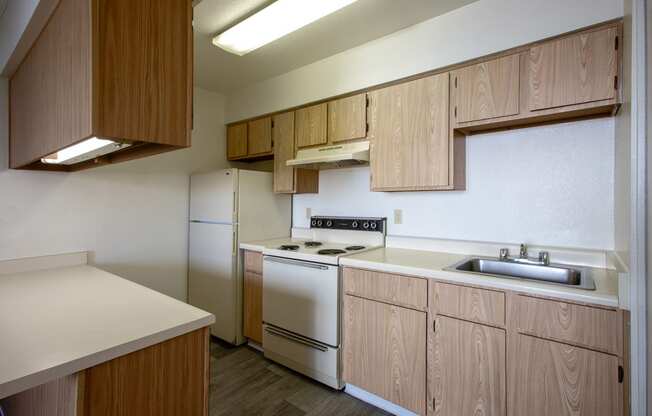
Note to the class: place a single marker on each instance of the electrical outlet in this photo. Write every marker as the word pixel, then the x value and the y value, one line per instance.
pixel 308 213
pixel 398 216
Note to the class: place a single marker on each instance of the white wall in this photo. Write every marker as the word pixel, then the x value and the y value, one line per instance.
pixel 132 216
pixel 547 185
pixel 550 185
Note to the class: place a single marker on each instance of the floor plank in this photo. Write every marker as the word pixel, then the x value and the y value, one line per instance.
pixel 244 383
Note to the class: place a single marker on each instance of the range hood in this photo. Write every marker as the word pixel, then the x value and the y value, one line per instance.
pixel 335 156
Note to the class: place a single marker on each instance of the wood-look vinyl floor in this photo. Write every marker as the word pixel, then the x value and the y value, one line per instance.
pixel 244 383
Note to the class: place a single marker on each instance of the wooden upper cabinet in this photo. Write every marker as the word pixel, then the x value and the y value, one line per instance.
pixel 310 126
pixel 93 72
pixel 347 118
pixel 409 135
pixel 289 180
pixel 576 69
pixel 551 378
pixel 259 137
pixel 487 90
pixel 466 374
pixel 236 141
pixel 384 351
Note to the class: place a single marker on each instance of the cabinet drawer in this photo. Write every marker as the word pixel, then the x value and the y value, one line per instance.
pixel 411 292
pixel 253 261
pixel 584 326
pixel 473 304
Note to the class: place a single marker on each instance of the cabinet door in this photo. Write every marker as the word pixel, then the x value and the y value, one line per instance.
pixel 467 369
pixel 311 126
pixel 573 70
pixel 385 351
pixel 487 90
pixel 347 118
pixel 283 132
pixel 550 378
pixel 409 135
pixel 259 140
pixel 236 141
pixel 253 306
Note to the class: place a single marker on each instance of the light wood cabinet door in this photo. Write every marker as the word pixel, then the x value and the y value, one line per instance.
pixel 409 135
pixel 253 306
pixel 573 70
pixel 347 118
pixel 310 124
pixel 487 90
pixel 466 374
pixel 288 180
pixel 551 378
pixel 236 141
pixel 259 137
pixel 385 351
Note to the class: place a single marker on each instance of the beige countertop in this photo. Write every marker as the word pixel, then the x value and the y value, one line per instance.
pixel 432 264
pixel 56 322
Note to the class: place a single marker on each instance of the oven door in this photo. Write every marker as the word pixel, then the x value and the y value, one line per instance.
pixel 302 297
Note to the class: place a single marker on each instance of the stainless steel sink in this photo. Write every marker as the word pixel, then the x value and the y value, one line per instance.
pixel 576 277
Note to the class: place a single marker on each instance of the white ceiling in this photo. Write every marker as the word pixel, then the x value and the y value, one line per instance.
pixel 361 22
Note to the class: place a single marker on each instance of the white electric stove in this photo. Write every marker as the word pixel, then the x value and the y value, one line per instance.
pixel 302 294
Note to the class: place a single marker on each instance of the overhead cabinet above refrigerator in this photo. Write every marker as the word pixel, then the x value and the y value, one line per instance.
pixel 105 81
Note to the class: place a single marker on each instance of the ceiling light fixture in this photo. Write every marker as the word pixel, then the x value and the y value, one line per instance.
pixel 82 151
pixel 273 22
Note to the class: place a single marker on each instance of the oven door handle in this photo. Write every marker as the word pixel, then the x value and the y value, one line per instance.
pixel 298 340
pixel 296 263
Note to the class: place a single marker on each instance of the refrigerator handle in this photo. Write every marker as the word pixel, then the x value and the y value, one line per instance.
pixel 234 244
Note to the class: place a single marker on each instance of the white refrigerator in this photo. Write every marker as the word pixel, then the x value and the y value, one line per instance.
pixel 228 207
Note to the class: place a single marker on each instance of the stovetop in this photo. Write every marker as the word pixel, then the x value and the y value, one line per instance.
pixel 343 237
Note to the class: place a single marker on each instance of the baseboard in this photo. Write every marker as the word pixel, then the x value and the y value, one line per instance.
pixel 379 402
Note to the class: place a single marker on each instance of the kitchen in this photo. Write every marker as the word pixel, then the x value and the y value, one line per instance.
pixel 484 173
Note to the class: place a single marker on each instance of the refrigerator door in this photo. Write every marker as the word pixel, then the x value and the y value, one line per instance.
pixel 213 197
pixel 212 276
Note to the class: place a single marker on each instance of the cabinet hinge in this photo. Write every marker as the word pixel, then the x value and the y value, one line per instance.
pixel 455 82
pixel 455 111
pixel 616 82
pixel 366 101
pixel 367 127
pixel 621 373
pixel 272 123
pixel 616 43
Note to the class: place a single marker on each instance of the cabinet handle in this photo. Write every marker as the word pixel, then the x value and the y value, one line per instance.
pixel 621 373
pixel 434 325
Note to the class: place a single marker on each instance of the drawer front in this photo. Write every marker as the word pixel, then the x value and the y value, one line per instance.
pixel 253 262
pixel 580 325
pixel 411 292
pixel 472 304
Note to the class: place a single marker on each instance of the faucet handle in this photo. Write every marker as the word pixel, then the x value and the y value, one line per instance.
pixel 523 251
pixel 544 257
pixel 504 254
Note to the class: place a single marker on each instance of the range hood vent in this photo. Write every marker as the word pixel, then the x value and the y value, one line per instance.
pixel 330 157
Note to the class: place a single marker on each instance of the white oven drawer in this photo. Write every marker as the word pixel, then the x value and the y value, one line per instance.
pixel 315 360
pixel 302 297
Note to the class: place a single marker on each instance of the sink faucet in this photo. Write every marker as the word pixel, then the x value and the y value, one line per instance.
pixel 543 258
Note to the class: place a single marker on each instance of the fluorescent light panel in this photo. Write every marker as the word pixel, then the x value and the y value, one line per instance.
pixel 82 151
pixel 275 21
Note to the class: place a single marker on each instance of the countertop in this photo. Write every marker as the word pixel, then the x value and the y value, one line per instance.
pixel 59 321
pixel 432 264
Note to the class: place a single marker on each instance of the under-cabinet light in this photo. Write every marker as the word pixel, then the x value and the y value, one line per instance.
pixel 273 22
pixel 82 151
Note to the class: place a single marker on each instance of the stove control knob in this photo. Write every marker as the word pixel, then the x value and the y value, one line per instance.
pixel 373 225
pixel 329 223
pixel 318 223
pixel 354 224
pixel 365 225
pixel 313 223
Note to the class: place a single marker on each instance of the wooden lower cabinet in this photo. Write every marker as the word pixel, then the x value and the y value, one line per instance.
pixel 385 351
pixel 466 369
pixel 551 378
pixel 253 306
pixel 166 379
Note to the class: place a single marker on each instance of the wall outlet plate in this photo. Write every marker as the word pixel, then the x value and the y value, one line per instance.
pixel 398 216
